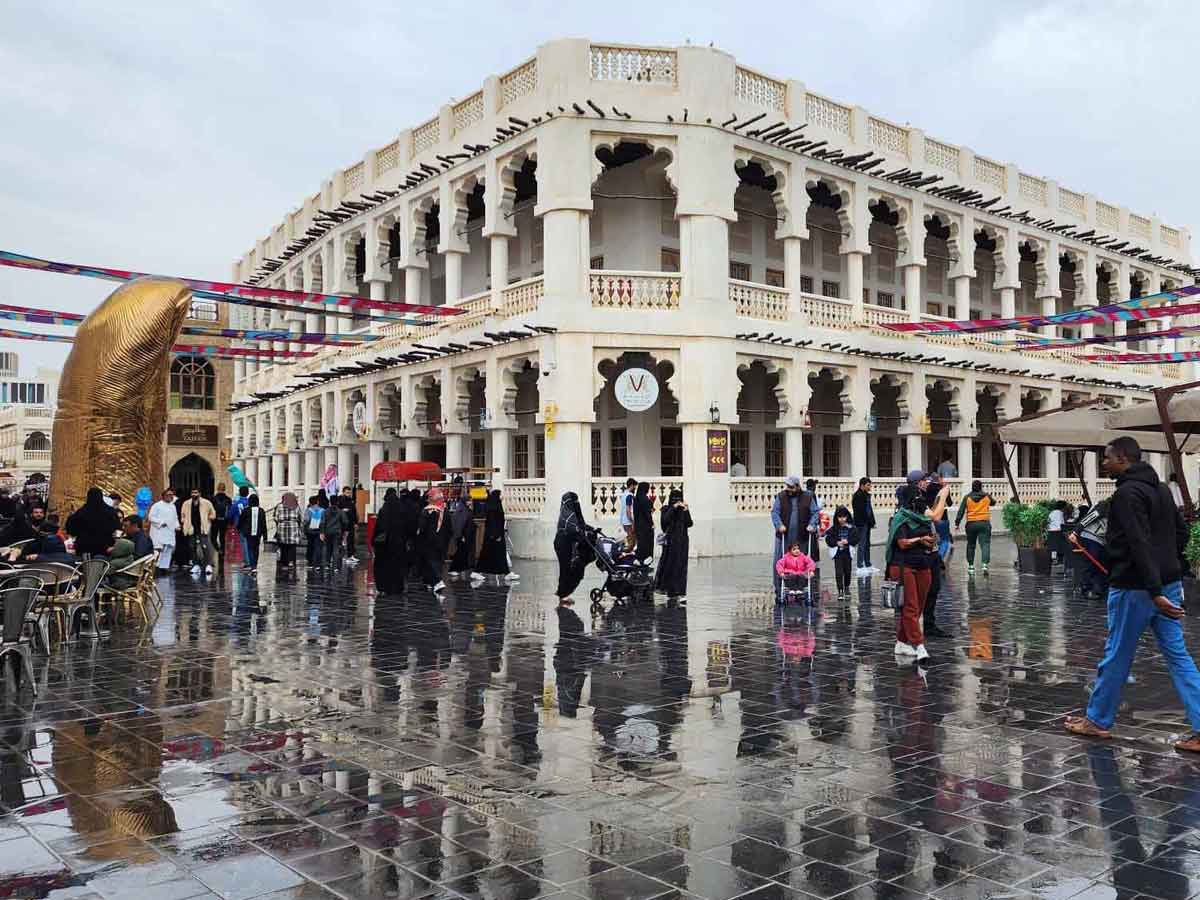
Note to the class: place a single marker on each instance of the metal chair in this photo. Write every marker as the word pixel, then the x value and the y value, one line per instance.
pixel 60 586
pixel 81 602
pixel 141 592
pixel 17 603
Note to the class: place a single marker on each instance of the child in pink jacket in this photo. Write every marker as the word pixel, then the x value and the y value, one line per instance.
pixel 795 562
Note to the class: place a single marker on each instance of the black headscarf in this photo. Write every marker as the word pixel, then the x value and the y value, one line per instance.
pixel 641 502
pixel 570 515
pixel 93 524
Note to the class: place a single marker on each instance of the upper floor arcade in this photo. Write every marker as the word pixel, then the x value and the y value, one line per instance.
pixel 676 180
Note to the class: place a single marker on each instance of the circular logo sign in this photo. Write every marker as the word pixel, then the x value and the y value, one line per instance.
pixel 636 389
pixel 361 426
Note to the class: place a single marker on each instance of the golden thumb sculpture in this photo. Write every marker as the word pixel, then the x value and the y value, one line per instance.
pixel 112 396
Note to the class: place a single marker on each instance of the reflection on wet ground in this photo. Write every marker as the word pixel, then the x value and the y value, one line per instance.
pixel 296 737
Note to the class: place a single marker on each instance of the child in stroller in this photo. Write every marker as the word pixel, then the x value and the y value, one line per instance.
pixel 795 569
pixel 626 577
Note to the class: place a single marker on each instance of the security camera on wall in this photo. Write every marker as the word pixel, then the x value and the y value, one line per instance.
pixel 548 368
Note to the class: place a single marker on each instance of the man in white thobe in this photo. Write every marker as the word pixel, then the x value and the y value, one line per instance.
pixel 164 522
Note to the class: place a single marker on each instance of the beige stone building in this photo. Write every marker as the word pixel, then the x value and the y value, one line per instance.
pixel 671 262
pixel 198 394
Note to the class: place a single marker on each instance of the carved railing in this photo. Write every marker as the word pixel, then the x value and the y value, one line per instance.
pixel 606 492
pixel 521 297
pixel 760 301
pixel 634 290
pixel 524 497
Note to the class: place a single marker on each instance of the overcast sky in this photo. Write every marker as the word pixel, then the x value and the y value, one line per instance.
pixel 168 137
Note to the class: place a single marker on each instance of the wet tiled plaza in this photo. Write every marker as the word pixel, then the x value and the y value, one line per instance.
pixel 294 736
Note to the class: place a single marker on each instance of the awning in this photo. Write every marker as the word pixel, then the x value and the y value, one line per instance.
pixel 400 470
pixel 1075 428
pixel 1183 411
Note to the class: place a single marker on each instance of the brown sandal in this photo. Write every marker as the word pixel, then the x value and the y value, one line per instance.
pixel 1190 744
pixel 1087 728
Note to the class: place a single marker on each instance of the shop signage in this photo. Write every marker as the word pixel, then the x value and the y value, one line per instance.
pixel 362 427
pixel 718 450
pixel 636 389
pixel 192 435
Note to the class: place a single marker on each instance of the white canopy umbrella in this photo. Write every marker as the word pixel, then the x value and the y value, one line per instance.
pixel 1077 428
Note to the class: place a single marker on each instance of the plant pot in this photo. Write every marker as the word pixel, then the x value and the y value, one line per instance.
pixel 1033 560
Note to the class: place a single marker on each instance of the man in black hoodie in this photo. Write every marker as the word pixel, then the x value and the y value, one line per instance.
pixel 1145 541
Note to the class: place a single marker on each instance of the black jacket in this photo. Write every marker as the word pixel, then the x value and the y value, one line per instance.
pixel 864 513
pixel 1146 533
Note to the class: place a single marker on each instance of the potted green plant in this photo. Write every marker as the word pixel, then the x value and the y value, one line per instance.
pixel 1026 522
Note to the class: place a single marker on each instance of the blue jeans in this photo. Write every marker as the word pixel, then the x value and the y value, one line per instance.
pixel 245 549
pixel 864 546
pixel 1130 613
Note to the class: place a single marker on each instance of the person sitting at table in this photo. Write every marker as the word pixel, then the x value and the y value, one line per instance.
pixel 22 527
pixel 124 553
pixel 46 547
pixel 142 545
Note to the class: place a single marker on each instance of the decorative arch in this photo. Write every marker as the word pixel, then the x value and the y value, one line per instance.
pixel 511 370
pixel 775 369
pixel 510 168
pixel 421 208
pixel 463 380
pixel 426 388
pixel 663 154
pixel 898 209
pixel 841 193
pixel 1079 276
pixel 842 379
pixel 663 360
pixel 1039 250
pixel 996 237
pixel 902 386
pixel 461 192
pixel 385 226
pixel 774 171
pixel 952 390
pixel 37 440
pixel 316 279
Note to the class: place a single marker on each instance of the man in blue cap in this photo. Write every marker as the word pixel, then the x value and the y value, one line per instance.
pixel 795 516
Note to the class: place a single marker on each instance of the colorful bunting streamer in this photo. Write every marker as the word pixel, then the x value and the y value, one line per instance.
pixel 291 337
pixel 1133 310
pixel 1045 343
pixel 243 294
pixel 190 349
pixel 1130 358
pixel 38 316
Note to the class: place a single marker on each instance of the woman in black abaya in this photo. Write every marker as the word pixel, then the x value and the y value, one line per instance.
pixel 573 551
pixel 643 522
pixel 671 578
pixel 493 555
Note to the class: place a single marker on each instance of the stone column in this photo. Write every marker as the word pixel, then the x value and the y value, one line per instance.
pixel 454 263
pixel 858 454
pixel 912 292
pixel 312 470
pixel 295 468
pixel 962 297
pixel 412 284
pixel 1049 307
pixel 1008 302
pixel 277 478
pixel 374 457
pixel 412 449
pixel 239 371
pixel 500 455
pixel 793 270
pixel 455 450
pixel 794 450
pixel 966 461
pixel 854 282
pixel 251 470
pixel 345 464
pixel 498 247
pixel 704 207
pixel 915 450
pixel 1121 292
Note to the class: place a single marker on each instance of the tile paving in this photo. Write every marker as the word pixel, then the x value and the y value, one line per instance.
pixel 295 736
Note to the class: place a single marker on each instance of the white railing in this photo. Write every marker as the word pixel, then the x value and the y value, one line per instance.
pixel 352 178
pixel 478 307
pixel 1107 215
pixel 824 113
pixel 37 456
pixel 606 492
pixel 758 89
pixel 884 315
pixel 468 112
pixel 1139 226
pixel 646 64
pixel 524 497
pixel 760 301
pixel 1072 202
pixel 425 136
pixel 883 135
pixel 998 488
pixel 991 173
pixel 634 290
pixel 521 297
pixel 1032 188
pixel 826 312
pixel 1070 489
pixel 387 158
pixel 1170 236
pixel 520 81
pixel 1034 489
pixel 944 156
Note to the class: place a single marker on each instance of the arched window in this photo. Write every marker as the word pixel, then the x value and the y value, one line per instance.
pixel 37 440
pixel 193 383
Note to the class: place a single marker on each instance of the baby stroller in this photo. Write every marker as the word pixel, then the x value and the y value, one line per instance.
pixel 795 589
pixel 625 577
